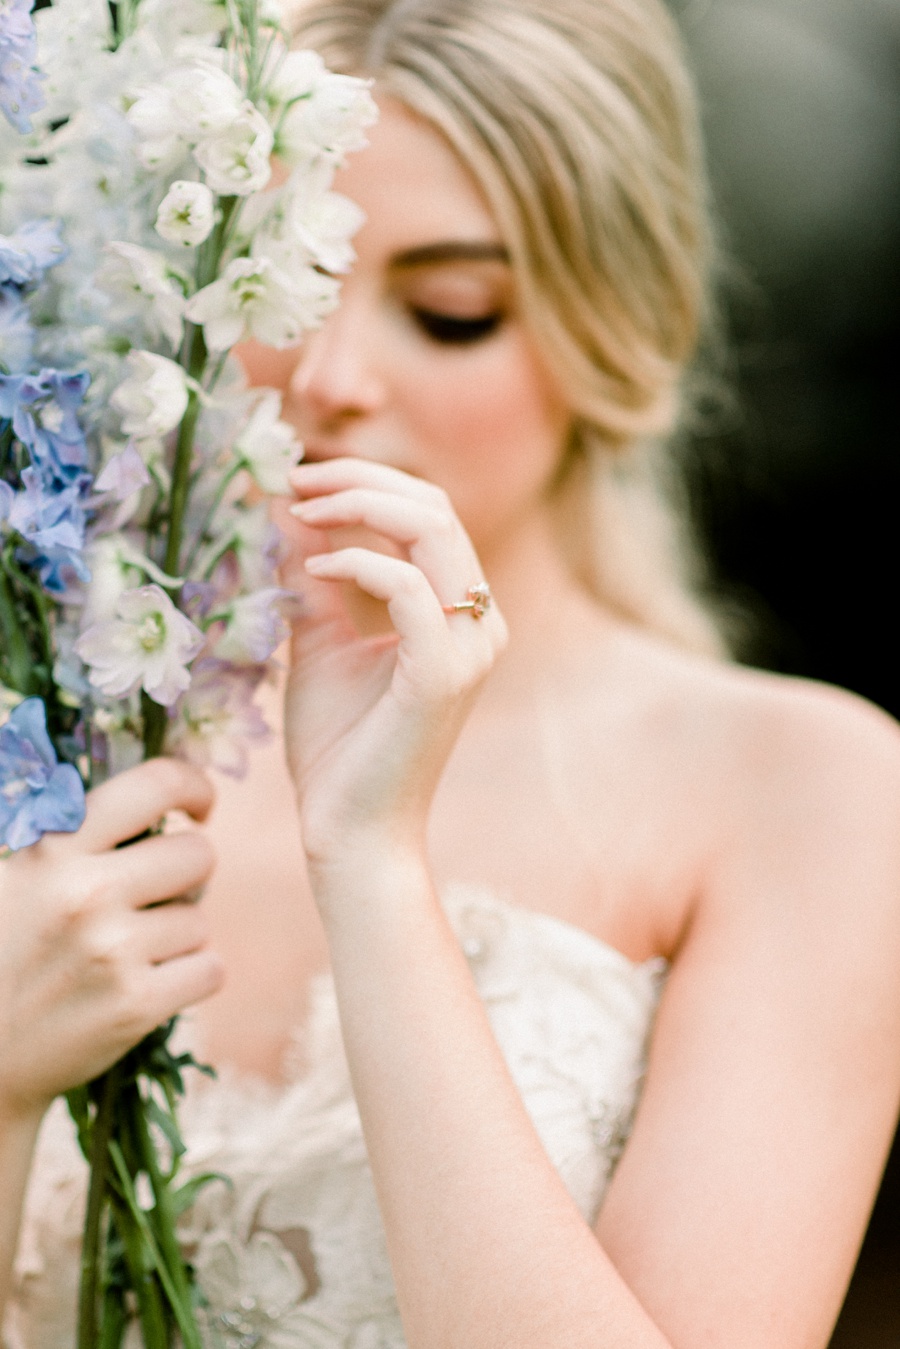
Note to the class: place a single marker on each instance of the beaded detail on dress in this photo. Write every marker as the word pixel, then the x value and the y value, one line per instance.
pixel 290 1251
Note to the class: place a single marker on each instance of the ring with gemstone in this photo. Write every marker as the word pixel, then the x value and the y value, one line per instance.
pixel 477 601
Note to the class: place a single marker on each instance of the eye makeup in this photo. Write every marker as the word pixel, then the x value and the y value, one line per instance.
pixel 455 329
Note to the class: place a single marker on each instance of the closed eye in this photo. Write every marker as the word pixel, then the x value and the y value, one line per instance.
pixel 450 330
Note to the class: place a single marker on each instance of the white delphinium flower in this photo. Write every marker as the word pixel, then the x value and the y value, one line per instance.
pixel 267 445
pixel 92 180
pixel 248 544
pixel 170 117
pixel 235 158
pixel 186 214
pixel 170 20
pixel 116 565
pixel 255 298
pixel 138 279
pixel 73 47
pixel 321 113
pixel 309 224
pixel 147 645
pixel 153 398
pixel 324 225
pixel 256 626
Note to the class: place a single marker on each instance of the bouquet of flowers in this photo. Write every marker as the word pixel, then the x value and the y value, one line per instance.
pixel 142 235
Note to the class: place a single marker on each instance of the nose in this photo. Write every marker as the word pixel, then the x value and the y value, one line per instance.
pixel 337 376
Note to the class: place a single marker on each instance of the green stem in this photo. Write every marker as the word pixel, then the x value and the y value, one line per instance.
pixel 131 1226
pixel 217 500
pixel 142 1224
pixel 93 1222
pixel 114 1321
pixel 42 608
pixel 17 658
pixel 155 719
pixel 170 1251
pixel 181 477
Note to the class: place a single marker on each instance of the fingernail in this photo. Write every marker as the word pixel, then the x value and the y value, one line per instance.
pixel 318 562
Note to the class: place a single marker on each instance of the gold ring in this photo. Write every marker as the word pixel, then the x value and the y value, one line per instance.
pixel 477 601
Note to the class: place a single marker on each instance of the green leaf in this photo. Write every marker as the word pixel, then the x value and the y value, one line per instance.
pixel 167 1124
pixel 183 1198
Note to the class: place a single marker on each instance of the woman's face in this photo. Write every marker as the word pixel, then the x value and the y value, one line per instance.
pixel 426 365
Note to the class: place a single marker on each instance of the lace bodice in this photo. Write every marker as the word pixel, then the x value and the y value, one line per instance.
pixel 290 1251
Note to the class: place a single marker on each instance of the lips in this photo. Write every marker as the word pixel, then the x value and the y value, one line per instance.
pixel 319 452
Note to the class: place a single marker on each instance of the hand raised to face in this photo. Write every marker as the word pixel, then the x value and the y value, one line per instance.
pixel 371 718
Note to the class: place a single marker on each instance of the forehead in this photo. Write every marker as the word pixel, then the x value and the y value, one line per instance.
pixel 412 186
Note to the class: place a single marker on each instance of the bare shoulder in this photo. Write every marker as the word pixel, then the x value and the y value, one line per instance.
pixel 805 761
pixel 773 1082
pixel 768 739
pixel 797 783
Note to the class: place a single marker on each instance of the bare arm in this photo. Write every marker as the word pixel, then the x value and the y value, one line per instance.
pixel 90 959
pixel 17 1138
pixel 754 1044
pixel 738 1208
pixel 486 1244
pixel 736 1214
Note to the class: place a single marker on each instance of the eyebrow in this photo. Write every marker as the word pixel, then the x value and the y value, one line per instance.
pixel 452 250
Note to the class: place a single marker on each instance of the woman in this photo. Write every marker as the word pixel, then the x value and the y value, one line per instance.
pixel 596 796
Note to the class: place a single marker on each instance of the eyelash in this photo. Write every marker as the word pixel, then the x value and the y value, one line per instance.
pixel 460 332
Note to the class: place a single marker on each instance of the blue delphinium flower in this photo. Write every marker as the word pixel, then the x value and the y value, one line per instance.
pixel 52 520
pixel 38 794
pixel 26 255
pixel 16 332
pixel 20 91
pixel 43 409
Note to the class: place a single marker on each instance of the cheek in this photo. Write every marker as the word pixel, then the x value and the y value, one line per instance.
pixel 497 429
pixel 265 365
pixel 496 414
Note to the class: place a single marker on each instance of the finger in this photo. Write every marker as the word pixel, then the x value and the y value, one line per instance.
pixel 336 475
pixel 429 531
pixel 178 983
pixel 167 866
pixel 170 931
pixel 401 518
pixel 414 609
pixel 319 605
pixel 136 800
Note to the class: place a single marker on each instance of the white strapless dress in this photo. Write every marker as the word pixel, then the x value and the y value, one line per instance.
pixel 290 1250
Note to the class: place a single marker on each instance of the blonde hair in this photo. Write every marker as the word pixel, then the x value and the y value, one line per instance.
pixel 577 120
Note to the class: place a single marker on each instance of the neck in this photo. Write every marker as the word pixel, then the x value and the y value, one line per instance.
pixel 552 618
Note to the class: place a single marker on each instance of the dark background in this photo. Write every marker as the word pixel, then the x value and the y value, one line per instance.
pixel 796 478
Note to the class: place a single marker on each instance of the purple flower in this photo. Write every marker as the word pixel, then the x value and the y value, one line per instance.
pixel 20 93
pixel 52 519
pixel 125 474
pixel 27 254
pixel 217 717
pixel 43 410
pixel 256 625
pixel 37 793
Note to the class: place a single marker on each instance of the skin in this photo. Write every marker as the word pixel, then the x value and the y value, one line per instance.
pixel 743 826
